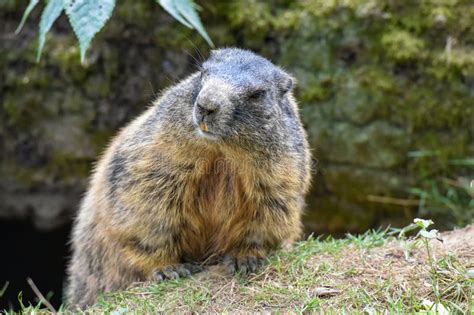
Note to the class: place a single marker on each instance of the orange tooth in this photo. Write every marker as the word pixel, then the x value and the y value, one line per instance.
pixel 203 126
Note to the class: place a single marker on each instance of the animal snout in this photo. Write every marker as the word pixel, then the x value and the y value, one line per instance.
pixel 205 113
pixel 206 109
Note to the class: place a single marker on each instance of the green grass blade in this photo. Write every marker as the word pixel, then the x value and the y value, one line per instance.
pixel 463 162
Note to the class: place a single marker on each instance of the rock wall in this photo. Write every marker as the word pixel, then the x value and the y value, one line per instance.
pixel 386 91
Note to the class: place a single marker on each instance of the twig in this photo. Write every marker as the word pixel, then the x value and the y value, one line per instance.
pixel 220 290
pixel 41 296
pixel 393 201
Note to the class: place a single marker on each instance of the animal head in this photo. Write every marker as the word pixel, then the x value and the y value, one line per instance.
pixel 242 97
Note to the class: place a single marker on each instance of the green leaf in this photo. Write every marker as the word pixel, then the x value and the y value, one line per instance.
pixel 417 191
pixel 87 17
pixel 401 232
pixel 27 12
pixel 423 223
pixel 169 6
pixel 185 11
pixel 50 14
pixel 464 162
pixel 430 234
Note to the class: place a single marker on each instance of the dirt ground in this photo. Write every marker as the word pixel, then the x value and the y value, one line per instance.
pixel 459 241
pixel 398 268
pixel 390 272
pixel 373 275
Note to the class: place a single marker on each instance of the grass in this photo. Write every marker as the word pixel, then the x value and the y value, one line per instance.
pixel 372 273
pixel 450 199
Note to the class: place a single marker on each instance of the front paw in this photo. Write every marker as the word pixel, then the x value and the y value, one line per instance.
pixel 176 271
pixel 244 265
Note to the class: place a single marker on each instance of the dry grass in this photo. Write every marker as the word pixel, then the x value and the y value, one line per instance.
pixel 371 273
pixel 368 273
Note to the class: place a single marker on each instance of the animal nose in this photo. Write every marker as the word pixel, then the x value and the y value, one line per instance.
pixel 206 109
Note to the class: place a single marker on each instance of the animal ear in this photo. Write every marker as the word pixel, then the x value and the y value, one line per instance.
pixel 287 84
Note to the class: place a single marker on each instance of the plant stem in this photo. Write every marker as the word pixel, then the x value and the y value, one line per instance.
pixel 432 273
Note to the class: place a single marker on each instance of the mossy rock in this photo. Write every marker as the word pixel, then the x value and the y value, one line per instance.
pixel 379 83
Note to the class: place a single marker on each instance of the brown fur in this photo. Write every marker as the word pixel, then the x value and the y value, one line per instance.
pixel 178 199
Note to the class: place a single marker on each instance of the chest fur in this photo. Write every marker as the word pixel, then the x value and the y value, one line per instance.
pixel 216 201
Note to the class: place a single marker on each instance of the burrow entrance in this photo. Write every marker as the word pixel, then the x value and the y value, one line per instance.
pixel 27 252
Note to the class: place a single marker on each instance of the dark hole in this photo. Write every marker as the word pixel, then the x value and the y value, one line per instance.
pixel 407 69
pixel 39 255
pixel 347 55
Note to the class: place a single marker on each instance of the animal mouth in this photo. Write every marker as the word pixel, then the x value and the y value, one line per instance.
pixel 207 134
pixel 203 131
pixel 203 126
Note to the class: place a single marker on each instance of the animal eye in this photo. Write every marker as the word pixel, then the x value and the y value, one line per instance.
pixel 256 95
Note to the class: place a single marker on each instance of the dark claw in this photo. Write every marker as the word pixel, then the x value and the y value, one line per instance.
pixel 158 276
pixel 253 263
pixel 229 265
pixel 193 268
pixel 176 271
pixel 183 271
pixel 170 272
pixel 243 265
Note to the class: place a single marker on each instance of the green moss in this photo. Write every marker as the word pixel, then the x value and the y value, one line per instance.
pixel 26 176
pixel 22 109
pixel 11 108
pixel 180 40
pixel 440 148
pixel 377 80
pixel 8 5
pixel 97 86
pixel 66 166
pixel 316 89
pixel 65 53
pixel 142 13
pixel 402 46
pixel 100 138
pixel 321 8
pixel 256 12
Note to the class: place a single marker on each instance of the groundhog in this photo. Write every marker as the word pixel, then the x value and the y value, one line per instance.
pixel 214 172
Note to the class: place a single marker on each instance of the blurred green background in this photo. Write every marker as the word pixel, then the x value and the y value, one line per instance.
pixel 386 90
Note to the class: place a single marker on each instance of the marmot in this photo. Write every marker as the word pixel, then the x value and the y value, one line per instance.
pixel 216 170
